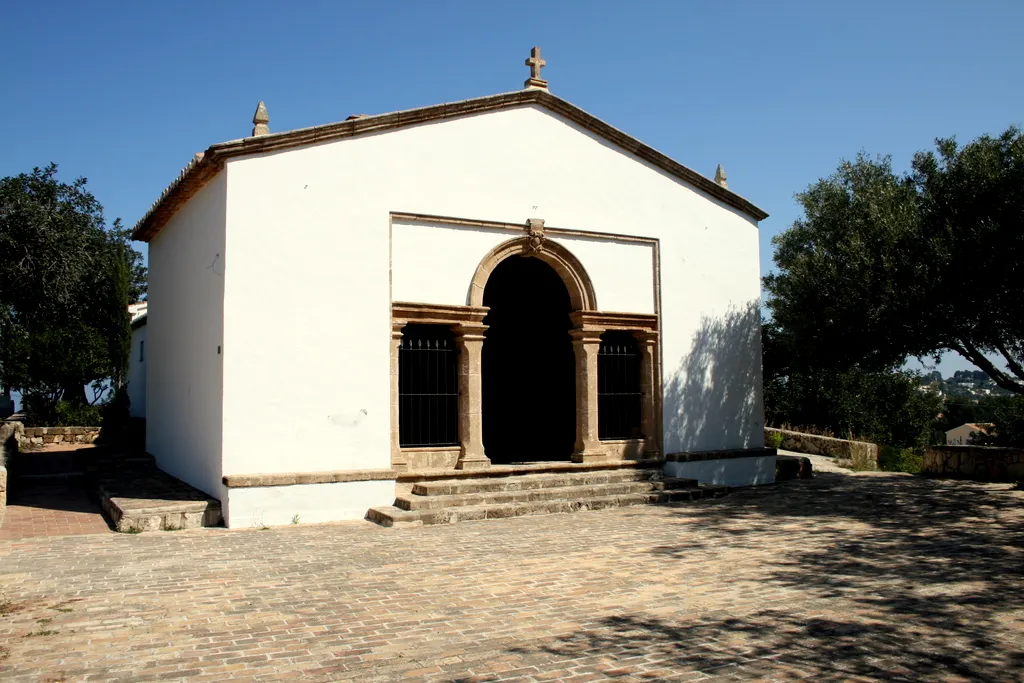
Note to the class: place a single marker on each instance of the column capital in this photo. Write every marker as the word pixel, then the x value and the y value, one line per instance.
pixel 649 337
pixel 586 335
pixel 469 331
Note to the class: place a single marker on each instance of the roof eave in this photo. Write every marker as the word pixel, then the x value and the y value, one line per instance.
pixel 203 168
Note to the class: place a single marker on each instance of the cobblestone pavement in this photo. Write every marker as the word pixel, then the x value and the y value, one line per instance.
pixel 843 577
pixel 51 510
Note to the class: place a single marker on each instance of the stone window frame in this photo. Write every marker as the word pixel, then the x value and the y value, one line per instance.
pixel 588 324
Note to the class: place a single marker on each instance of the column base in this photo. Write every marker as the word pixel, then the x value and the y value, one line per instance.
pixel 590 456
pixel 480 462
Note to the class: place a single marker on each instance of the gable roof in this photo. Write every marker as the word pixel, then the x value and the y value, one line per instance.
pixel 207 164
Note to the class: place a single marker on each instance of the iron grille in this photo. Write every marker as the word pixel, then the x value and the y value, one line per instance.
pixel 428 390
pixel 618 387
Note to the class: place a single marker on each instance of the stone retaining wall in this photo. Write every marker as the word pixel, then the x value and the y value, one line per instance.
pixel 10 439
pixel 3 492
pixel 35 437
pixel 979 463
pixel 853 454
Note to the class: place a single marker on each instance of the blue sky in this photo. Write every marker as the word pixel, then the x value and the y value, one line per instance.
pixel 124 93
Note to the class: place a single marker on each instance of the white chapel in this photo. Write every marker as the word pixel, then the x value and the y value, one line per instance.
pixel 456 290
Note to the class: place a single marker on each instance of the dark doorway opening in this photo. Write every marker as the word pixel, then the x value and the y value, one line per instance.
pixel 529 388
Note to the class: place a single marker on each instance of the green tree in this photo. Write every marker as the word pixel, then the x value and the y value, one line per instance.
pixel 971 203
pixel 884 406
pixel 65 284
pixel 882 267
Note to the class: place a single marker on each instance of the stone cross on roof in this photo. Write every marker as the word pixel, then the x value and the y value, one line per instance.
pixel 260 120
pixel 536 64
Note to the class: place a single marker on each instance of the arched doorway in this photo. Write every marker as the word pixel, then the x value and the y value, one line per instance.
pixel 529 393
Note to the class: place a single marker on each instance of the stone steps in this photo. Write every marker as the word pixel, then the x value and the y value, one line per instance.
pixel 528 495
pixel 533 491
pixel 396 517
pixel 506 471
pixel 534 481
pixel 137 496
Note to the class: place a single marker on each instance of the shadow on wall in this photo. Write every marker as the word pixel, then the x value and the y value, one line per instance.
pixel 713 395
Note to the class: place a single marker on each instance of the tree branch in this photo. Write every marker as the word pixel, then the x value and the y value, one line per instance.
pixel 1011 362
pixel 1001 379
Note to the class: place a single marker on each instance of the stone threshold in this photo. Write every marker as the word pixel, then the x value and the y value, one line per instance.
pixel 526 468
pixel 720 455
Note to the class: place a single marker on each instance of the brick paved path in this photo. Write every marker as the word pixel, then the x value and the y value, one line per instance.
pixel 51 510
pixel 866 577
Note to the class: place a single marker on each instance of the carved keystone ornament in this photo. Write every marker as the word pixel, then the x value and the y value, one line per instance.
pixel 535 235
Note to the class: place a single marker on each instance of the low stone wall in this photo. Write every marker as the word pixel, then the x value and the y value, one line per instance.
pixel 35 437
pixel 854 454
pixel 3 492
pixel 979 463
pixel 10 438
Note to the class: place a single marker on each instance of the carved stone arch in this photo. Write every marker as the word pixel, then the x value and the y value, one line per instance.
pixel 568 267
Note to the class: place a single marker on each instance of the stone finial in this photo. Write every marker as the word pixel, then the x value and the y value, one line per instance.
pixel 720 177
pixel 260 120
pixel 536 64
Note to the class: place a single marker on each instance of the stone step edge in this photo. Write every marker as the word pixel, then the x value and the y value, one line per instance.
pixel 575 491
pixel 519 470
pixel 168 507
pixel 135 521
pixel 391 516
pixel 172 516
pixel 532 481
pixel 580 492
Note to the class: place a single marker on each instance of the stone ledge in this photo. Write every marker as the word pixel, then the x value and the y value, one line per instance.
pixel 137 496
pixel 531 468
pixel 241 481
pixel 854 454
pixel 720 455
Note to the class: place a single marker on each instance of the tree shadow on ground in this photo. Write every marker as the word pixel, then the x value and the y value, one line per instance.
pixel 901 579
pixel 712 397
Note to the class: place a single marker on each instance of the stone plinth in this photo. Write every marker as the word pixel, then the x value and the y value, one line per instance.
pixel 979 463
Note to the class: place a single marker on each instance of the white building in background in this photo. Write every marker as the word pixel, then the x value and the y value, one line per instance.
pixel 137 359
pixel 500 279
pixel 961 436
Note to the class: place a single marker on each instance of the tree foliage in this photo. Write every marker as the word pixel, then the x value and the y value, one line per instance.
pixel 882 266
pixel 65 283
pixel 853 403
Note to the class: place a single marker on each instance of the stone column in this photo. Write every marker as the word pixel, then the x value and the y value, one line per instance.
pixel 647 340
pixel 397 458
pixel 586 343
pixel 469 338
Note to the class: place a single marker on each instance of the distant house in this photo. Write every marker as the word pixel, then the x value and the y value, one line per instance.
pixel 961 436
pixel 137 360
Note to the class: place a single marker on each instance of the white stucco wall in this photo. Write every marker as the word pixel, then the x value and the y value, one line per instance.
pixel 137 372
pixel 726 472
pixel 313 503
pixel 184 373
pixel 306 336
pixel 622 272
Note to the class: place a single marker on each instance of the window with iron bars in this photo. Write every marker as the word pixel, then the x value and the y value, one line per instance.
pixel 428 390
pixel 618 387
